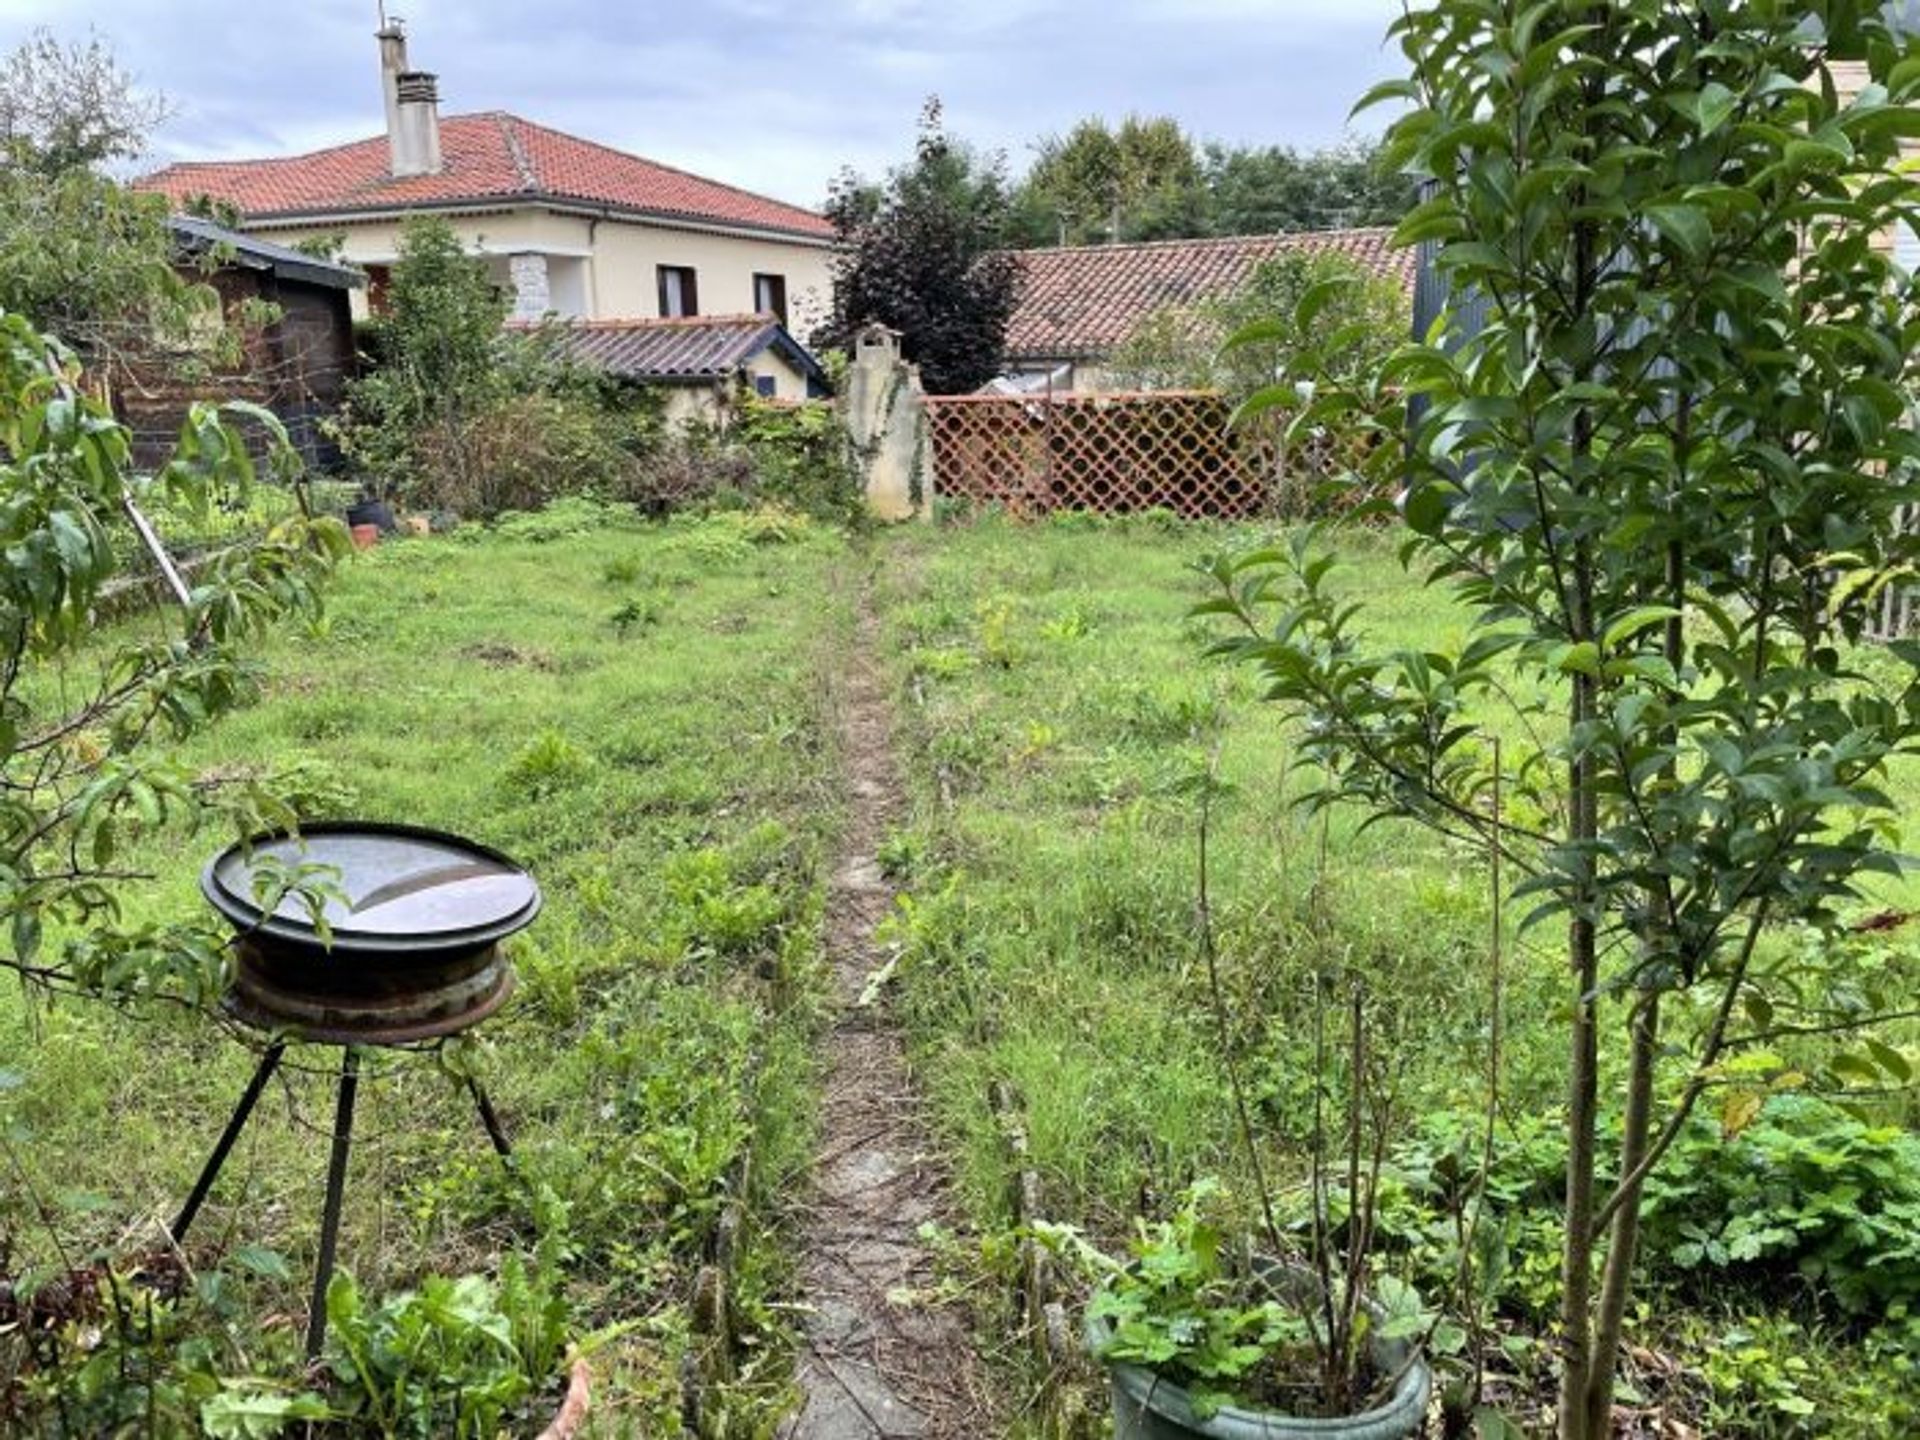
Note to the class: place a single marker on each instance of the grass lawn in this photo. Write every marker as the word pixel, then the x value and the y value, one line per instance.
pixel 638 713
pixel 1057 711
pixel 633 713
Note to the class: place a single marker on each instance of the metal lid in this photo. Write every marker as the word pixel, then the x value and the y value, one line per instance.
pixel 400 889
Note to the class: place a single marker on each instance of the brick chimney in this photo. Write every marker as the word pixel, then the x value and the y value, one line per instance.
pixel 413 108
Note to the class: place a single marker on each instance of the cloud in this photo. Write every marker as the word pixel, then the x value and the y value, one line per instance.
pixel 773 97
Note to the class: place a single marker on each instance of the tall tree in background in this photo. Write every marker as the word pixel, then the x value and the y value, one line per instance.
pixel 67 105
pixel 1139 181
pixel 80 255
pixel 922 254
pixel 1267 190
pixel 1145 180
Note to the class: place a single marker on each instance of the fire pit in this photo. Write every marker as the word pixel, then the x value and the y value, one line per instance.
pixel 415 918
pixel 410 952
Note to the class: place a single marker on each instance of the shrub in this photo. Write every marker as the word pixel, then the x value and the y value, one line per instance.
pixel 458 415
pixel 794 455
pixel 1807 1190
pixel 801 458
pixel 437 352
pixel 523 451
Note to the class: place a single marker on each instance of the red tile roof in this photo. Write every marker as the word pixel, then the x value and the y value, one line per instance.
pixel 1083 301
pixel 493 157
pixel 679 350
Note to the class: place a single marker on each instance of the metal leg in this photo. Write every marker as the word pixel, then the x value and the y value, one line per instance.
pixel 269 1062
pixel 492 1121
pixel 336 1186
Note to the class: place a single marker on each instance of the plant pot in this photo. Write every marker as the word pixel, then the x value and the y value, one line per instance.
pixel 1147 1406
pixel 365 537
pixel 376 513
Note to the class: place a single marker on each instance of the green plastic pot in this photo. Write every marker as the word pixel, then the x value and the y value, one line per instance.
pixel 1147 1406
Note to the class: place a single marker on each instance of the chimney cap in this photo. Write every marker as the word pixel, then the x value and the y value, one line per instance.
pixel 416 87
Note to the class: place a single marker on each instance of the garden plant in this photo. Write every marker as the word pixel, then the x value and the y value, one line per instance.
pixel 1665 473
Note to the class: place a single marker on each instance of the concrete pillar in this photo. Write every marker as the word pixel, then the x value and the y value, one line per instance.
pixel 886 420
pixel 532 296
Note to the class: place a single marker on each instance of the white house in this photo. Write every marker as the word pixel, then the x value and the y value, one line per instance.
pixel 575 228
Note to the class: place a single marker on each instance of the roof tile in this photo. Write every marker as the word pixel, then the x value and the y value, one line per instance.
pixel 1085 300
pixel 693 348
pixel 492 157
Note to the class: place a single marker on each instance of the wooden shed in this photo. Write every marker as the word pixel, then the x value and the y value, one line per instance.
pixel 297 366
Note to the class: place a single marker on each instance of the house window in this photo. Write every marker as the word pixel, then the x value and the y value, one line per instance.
pixel 765 386
pixel 678 294
pixel 770 296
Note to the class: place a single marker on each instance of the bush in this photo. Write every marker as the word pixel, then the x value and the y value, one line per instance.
pixel 801 458
pixel 524 451
pixel 1806 1190
pixel 793 456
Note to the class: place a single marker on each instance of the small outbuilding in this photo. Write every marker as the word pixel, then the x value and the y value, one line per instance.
pixel 1079 304
pixel 699 362
pixel 296 363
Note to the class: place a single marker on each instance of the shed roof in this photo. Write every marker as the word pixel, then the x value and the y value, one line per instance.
pixel 698 349
pixel 1083 301
pixel 491 157
pixel 196 237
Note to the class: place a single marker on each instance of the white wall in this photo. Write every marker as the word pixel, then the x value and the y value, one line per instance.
pixel 617 276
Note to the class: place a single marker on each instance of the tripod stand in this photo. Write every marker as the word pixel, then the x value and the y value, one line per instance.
pixel 336 1167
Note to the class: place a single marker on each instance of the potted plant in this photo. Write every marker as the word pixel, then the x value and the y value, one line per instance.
pixel 1202 1338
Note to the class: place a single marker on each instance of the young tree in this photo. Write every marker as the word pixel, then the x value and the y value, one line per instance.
pixel 78 780
pixel 1665 477
pixel 924 257
pixel 438 354
pixel 1238 343
pixel 80 255
pixel 68 106
pixel 89 260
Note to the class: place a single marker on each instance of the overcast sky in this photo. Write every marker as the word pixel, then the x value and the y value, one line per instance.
pixel 773 96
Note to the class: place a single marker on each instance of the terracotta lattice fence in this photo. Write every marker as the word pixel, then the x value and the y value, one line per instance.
pixel 1116 453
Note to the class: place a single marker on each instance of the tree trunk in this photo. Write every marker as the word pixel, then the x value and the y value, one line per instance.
pixel 1576 1271
pixel 1583 1069
pixel 1623 1241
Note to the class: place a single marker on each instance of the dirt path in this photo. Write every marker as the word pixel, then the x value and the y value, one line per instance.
pixel 883 1357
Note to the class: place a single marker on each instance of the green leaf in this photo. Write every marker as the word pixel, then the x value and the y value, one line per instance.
pixel 1852 1067
pixel 1714 107
pixel 1581 659
pixel 243 1411
pixel 1890 1060
pixel 1425 508
pixel 1685 225
pixel 268 1264
pixel 1645 617
pixel 1490 1424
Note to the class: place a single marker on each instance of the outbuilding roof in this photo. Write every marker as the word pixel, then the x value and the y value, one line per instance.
pixel 695 350
pixel 489 158
pixel 1084 301
pixel 194 236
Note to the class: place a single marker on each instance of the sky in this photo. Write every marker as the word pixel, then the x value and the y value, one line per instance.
pixel 775 97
